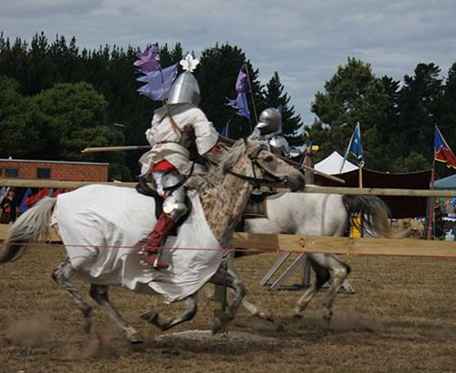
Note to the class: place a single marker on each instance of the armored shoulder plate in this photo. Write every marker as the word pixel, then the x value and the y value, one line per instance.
pixel 279 144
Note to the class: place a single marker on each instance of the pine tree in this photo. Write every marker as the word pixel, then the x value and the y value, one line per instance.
pixel 275 97
pixel 217 74
pixel 355 95
pixel 419 102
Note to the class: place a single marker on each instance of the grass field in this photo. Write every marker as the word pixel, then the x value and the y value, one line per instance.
pixel 402 318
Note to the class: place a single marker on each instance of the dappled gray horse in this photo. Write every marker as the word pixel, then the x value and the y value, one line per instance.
pixel 319 215
pixel 99 226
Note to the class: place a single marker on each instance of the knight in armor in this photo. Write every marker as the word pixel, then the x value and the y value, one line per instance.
pixel 269 131
pixel 178 129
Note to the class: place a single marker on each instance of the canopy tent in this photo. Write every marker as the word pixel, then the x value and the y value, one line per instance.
pixel 448 182
pixel 332 164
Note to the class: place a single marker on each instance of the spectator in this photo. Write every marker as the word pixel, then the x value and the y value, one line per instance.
pixel 8 207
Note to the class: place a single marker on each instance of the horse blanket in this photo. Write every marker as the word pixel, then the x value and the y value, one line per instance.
pixel 100 225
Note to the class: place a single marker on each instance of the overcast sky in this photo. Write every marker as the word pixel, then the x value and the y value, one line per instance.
pixel 304 40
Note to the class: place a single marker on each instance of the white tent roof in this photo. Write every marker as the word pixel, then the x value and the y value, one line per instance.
pixel 331 164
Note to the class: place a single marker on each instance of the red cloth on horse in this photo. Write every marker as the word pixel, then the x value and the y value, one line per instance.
pixel 163 166
pixel 30 201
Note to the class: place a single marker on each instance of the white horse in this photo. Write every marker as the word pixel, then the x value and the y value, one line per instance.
pixel 99 226
pixel 319 215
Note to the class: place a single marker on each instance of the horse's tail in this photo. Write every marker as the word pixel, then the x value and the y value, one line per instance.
pixel 30 226
pixel 373 211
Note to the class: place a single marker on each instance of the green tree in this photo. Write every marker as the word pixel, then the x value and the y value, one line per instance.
pixel 274 96
pixel 217 74
pixel 73 116
pixel 21 136
pixel 355 95
pixel 420 101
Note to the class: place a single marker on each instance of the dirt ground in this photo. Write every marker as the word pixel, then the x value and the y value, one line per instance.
pixel 402 318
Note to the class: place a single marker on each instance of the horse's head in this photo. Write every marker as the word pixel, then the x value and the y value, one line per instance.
pixel 253 162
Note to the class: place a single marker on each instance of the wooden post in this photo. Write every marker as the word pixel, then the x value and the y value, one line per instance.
pixel 309 179
pixel 430 225
pixel 308 166
pixel 360 175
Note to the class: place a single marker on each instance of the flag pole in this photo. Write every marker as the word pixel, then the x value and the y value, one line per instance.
pixel 246 70
pixel 346 152
pixel 430 229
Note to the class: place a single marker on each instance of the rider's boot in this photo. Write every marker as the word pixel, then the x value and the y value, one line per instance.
pixel 155 239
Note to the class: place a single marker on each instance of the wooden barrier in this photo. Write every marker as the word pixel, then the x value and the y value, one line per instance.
pixel 331 245
pixel 305 244
pixel 345 245
pixel 24 183
pixel 35 183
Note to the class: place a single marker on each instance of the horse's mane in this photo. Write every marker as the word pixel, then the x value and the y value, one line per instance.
pixel 217 169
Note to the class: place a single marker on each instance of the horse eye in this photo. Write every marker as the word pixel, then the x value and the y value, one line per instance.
pixel 269 158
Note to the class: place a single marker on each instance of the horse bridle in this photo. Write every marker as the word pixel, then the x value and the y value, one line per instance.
pixel 255 180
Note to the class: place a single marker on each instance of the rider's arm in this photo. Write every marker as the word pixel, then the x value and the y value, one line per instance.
pixel 206 136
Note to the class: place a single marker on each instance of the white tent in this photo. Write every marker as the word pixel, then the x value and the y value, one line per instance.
pixel 332 163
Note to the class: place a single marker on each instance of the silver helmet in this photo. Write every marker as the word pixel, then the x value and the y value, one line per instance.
pixel 185 90
pixel 270 122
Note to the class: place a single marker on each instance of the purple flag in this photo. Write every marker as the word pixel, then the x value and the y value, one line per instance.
pixel 242 85
pixel 158 83
pixel 240 103
pixel 149 60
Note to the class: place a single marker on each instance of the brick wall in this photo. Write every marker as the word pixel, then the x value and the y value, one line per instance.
pixel 65 171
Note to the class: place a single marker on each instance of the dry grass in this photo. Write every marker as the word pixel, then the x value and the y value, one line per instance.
pixel 402 318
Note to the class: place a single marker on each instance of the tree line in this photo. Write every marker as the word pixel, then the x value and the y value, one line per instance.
pixel 397 118
pixel 56 99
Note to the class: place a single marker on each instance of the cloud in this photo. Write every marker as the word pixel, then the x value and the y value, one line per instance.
pixel 43 8
pixel 304 41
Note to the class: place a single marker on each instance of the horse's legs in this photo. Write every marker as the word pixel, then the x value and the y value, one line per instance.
pixel 191 306
pixel 230 279
pixel 305 299
pixel 99 294
pixel 62 276
pixel 325 266
pixel 253 309
pixel 322 276
pixel 339 272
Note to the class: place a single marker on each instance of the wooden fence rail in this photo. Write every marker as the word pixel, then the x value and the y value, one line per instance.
pixel 24 183
pixel 331 245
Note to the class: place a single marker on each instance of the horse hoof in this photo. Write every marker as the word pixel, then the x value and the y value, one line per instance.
pixel 266 316
pixel 298 313
pixel 216 326
pixel 151 317
pixel 136 342
pixel 134 337
pixel 327 317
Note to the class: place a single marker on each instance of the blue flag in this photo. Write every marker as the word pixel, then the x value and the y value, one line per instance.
pixel 356 147
pixel 453 202
pixel 158 83
pixel 23 205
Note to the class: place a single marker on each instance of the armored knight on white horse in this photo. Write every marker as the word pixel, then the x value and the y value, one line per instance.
pixel 179 128
pixel 100 226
